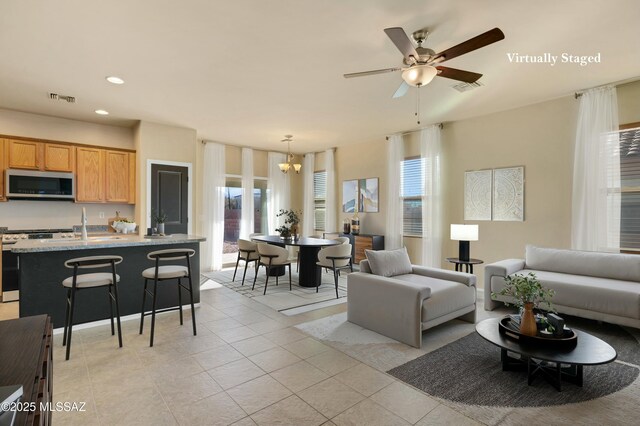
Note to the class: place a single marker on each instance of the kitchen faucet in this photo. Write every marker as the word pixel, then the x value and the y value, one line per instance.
pixel 84 225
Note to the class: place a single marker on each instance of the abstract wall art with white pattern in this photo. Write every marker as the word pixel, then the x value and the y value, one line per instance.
pixel 477 195
pixel 508 194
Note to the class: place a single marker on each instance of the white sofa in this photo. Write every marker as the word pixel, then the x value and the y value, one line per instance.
pixel 599 286
pixel 402 306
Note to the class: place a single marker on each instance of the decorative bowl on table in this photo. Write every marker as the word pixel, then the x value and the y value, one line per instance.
pixel 124 227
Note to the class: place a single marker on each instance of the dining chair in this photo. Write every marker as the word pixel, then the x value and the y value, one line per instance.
pixel 345 240
pixel 272 256
pixel 335 258
pixel 247 251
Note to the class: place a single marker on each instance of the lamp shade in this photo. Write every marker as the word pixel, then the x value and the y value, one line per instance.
pixel 464 232
pixel 419 75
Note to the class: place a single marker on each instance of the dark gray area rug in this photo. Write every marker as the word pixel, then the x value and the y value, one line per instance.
pixel 469 371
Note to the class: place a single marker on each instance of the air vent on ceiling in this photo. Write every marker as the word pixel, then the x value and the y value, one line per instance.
pixel 57 97
pixel 465 87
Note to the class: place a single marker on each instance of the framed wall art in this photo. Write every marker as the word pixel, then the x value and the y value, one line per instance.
pixel 508 194
pixel 368 195
pixel 477 195
pixel 349 196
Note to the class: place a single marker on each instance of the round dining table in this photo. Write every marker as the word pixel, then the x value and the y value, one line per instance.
pixel 310 274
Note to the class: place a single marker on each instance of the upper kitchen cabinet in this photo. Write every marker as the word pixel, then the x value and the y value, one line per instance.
pixel 90 169
pixel 2 167
pixel 23 154
pixel 59 158
pixel 132 178
pixel 117 176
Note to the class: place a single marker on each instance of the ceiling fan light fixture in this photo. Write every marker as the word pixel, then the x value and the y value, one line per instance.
pixel 419 75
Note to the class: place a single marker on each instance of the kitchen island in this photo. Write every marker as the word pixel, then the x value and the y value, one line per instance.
pixel 42 271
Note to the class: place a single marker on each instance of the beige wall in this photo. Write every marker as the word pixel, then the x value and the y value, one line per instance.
pixel 539 137
pixel 37 126
pixel 165 143
pixel 60 214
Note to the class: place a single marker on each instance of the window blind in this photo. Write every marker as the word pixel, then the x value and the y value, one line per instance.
pixel 630 186
pixel 319 199
pixel 412 192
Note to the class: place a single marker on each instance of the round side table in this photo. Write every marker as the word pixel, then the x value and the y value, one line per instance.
pixel 467 263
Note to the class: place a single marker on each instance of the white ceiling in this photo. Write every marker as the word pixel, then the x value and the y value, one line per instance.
pixel 247 72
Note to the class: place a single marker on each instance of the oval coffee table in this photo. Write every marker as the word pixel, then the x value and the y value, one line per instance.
pixel 553 365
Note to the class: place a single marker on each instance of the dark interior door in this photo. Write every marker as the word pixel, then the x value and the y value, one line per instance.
pixel 169 194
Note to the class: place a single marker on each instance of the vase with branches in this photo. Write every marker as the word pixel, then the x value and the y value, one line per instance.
pixel 527 293
pixel 291 221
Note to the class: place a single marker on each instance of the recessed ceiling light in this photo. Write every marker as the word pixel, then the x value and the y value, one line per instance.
pixel 115 80
pixel 102 112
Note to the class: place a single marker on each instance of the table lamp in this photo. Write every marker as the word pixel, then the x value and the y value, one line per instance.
pixel 464 234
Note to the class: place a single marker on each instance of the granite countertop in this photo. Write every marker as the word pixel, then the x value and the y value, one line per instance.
pixel 104 241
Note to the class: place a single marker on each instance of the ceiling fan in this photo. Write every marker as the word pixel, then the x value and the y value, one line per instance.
pixel 423 64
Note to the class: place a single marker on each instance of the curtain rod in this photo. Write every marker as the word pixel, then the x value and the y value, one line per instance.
pixel 579 93
pixel 203 141
pixel 441 125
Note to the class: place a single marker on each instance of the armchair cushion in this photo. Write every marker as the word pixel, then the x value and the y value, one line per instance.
pixel 389 263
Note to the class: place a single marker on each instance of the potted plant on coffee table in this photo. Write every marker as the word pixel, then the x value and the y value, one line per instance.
pixel 527 293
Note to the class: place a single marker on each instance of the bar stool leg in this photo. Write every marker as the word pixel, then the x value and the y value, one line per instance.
pixel 144 296
pixel 289 277
pixel 153 308
pixel 113 330
pixel 180 299
pixel 115 296
pixel 66 318
pixel 193 308
pixel 72 302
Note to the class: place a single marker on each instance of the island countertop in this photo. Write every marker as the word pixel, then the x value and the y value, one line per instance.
pixel 101 242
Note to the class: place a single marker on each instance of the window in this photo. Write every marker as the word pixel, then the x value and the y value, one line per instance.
pixel 319 199
pixel 232 216
pixel 233 213
pixel 412 191
pixel 630 188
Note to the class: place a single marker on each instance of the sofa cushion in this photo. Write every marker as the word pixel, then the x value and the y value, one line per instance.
pixel 625 267
pixel 389 263
pixel 446 296
pixel 614 297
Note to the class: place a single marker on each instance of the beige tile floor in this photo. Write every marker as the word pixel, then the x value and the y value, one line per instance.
pixel 246 366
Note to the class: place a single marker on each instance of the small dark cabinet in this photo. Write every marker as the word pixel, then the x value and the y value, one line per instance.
pixel 360 243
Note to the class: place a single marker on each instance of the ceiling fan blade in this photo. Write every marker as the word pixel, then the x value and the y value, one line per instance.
pixel 402 90
pixel 372 72
pixel 470 45
pixel 402 42
pixel 461 75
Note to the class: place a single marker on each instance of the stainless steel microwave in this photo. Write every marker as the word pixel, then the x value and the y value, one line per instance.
pixel 37 185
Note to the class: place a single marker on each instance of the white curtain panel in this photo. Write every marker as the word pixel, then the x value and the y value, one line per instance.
pixel 431 152
pixel 213 206
pixel 248 212
pixel 596 173
pixel 277 190
pixel 308 205
pixel 395 156
pixel 330 224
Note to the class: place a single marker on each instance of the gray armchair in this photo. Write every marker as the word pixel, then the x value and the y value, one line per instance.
pixel 401 307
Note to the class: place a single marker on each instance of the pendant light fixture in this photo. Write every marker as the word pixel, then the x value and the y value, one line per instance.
pixel 285 167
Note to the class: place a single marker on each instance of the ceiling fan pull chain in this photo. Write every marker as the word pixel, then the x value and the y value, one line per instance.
pixel 418 103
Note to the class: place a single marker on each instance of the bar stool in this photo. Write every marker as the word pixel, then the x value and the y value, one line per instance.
pixel 79 282
pixel 335 258
pixel 164 273
pixel 247 251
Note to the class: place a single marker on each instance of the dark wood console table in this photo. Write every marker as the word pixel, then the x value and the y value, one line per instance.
pixel 27 359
